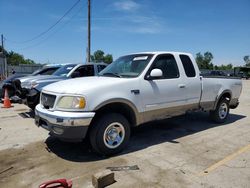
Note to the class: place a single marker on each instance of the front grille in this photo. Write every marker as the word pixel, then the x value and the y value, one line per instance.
pixel 48 100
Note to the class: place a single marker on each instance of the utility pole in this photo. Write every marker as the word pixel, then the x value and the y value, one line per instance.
pixel 2 43
pixel 89 32
pixel 4 71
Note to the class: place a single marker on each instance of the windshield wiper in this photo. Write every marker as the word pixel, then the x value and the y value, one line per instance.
pixel 112 74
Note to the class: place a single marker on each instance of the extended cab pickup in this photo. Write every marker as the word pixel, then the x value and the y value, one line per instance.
pixel 134 89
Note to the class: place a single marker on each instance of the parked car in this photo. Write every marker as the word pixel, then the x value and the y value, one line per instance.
pixel 34 86
pixel 134 89
pixel 12 82
pixel 45 70
pixel 8 83
pixel 217 73
pixel 244 75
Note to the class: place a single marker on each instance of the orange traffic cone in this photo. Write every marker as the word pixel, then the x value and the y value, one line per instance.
pixel 6 100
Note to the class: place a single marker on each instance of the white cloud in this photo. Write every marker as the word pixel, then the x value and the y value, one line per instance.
pixel 145 25
pixel 134 21
pixel 126 5
pixel 131 24
pixel 146 30
pixel 128 20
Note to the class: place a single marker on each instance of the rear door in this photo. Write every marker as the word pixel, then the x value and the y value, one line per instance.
pixel 192 82
pixel 165 96
pixel 85 70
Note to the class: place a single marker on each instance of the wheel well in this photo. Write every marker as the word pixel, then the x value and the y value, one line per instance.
pixel 225 96
pixel 120 108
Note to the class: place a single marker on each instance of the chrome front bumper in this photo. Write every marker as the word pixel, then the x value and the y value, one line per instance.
pixel 64 118
pixel 65 125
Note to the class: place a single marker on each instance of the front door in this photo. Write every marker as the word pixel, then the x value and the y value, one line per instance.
pixel 164 97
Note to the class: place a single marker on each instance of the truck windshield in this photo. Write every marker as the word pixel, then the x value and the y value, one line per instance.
pixel 64 70
pixel 45 71
pixel 127 66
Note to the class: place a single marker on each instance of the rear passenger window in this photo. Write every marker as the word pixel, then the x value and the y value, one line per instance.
pixel 168 66
pixel 188 66
pixel 86 70
pixel 100 67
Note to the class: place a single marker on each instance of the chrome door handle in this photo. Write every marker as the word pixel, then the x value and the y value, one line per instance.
pixel 182 85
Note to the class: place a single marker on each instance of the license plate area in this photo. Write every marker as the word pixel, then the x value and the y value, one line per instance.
pixel 40 122
pixel 37 120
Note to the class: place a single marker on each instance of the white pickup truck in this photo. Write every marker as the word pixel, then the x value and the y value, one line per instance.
pixel 134 89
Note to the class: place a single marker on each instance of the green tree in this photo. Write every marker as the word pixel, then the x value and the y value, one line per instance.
pixel 29 61
pixel 108 59
pixel 224 67
pixel 247 60
pixel 205 61
pixel 99 56
pixel 14 58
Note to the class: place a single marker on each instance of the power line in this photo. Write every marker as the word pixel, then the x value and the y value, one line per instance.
pixel 52 34
pixel 51 27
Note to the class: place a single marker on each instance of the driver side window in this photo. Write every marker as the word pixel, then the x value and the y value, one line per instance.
pixel 167 64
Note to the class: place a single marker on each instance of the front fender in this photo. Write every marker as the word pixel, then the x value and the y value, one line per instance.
pixel 122 101
pixel 116 100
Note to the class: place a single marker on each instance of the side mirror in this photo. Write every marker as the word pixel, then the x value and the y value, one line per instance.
pixel 75 74
pixel 154 74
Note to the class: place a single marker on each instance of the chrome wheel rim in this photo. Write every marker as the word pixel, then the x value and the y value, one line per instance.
pixel 114 135
pixel 223 110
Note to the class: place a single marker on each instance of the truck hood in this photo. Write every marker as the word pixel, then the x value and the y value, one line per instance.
pixel 50 79
pixel 44 78
pixel 83 85
pixel 34 78
pixel 41 81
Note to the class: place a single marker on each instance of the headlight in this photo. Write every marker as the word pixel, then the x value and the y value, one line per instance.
pixel 69 102
pixel 34 84
pixel 29 85
pixel 26 85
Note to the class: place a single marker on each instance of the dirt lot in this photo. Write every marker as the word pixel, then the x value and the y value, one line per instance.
pixel 188 151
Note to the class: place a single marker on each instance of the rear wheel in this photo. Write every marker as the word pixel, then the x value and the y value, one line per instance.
pixel 220 114
pixel 110 134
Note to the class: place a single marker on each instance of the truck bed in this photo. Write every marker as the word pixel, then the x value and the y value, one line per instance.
pixel 214 86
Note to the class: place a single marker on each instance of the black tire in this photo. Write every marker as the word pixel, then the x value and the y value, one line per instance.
pixel 104 125
pixel 32 106
pixel 220 114
pixel 33 101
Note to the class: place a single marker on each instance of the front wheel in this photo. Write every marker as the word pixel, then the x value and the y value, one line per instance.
pixel 110 134
pixel 220 114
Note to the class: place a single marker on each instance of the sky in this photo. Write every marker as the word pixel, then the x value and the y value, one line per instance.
pixel 120 27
